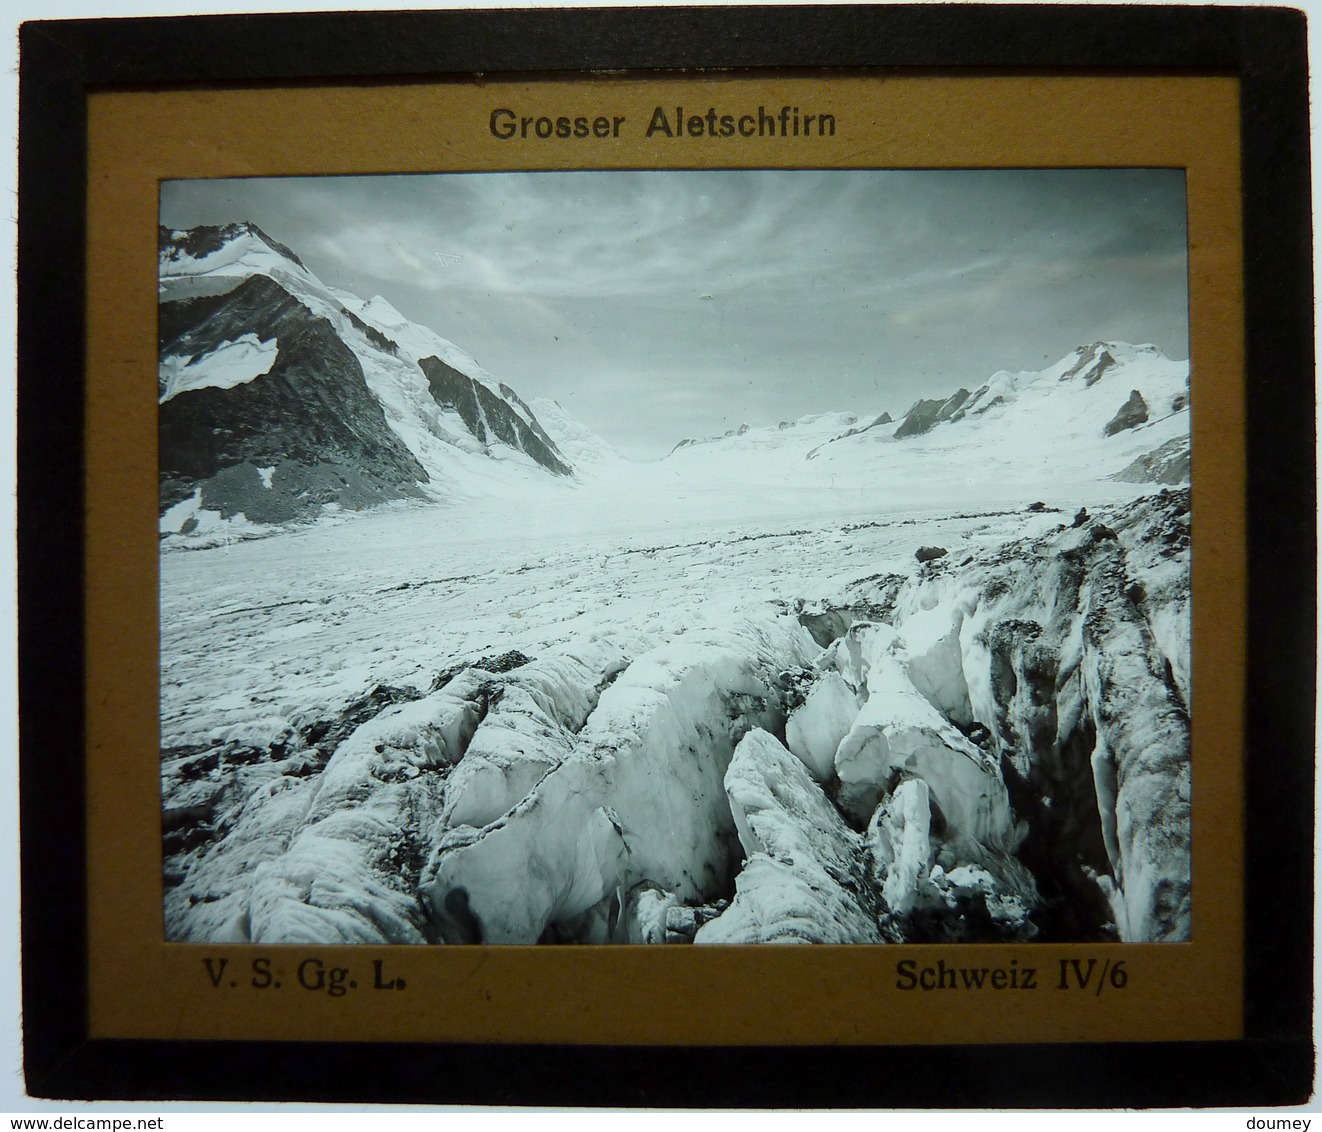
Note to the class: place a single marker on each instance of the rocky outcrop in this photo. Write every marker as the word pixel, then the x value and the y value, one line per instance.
pixel 925 415
pixel 488 417
pixel 1131 414
pixel 1168 463
pixel 280 396
pixel 876 422
pixel 309 420
pixel 1093 362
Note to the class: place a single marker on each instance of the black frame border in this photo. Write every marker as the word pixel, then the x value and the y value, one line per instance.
pixel 60 61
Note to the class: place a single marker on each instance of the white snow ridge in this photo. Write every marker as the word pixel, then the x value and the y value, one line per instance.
pixel 847 679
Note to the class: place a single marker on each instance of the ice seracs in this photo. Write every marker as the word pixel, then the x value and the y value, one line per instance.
pixel 1078 699
pixel 989 748
pixel 636 805
pixel 802 879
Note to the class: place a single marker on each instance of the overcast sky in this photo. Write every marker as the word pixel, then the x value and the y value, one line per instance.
pixel 662 305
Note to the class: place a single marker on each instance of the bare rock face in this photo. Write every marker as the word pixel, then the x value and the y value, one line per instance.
pixel 278 400
pixel 1131 414
pixel 925 415
pixel 308 421
pixel 1167 463
pixel 1093 362
pixel 490 418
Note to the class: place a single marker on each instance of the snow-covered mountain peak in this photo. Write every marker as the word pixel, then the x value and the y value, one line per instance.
pixel 1090 364
pixel 380 310
pixel 320 398
pixel 213 260
pixel 1130 422
pixel 1122 352
pixel 218 244
pixel 810 429
pixel 1079 391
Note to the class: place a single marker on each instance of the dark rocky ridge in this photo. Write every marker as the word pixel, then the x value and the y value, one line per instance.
pixel 1093 362
pixel 201 241
pixel 1131 414
pixel 883 419
pixel 488 417
pixel 927 414
pixel 312 417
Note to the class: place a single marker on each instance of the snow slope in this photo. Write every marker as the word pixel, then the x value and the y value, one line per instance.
pixel 452 447
pixel 1016 432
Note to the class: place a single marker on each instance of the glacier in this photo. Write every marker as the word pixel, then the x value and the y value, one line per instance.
pixel 598 748
pixel 844 679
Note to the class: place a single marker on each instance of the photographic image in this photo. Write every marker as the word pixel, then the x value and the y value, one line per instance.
pixel 676 557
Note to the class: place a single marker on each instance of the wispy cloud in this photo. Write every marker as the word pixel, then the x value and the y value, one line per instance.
pixel 813 290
